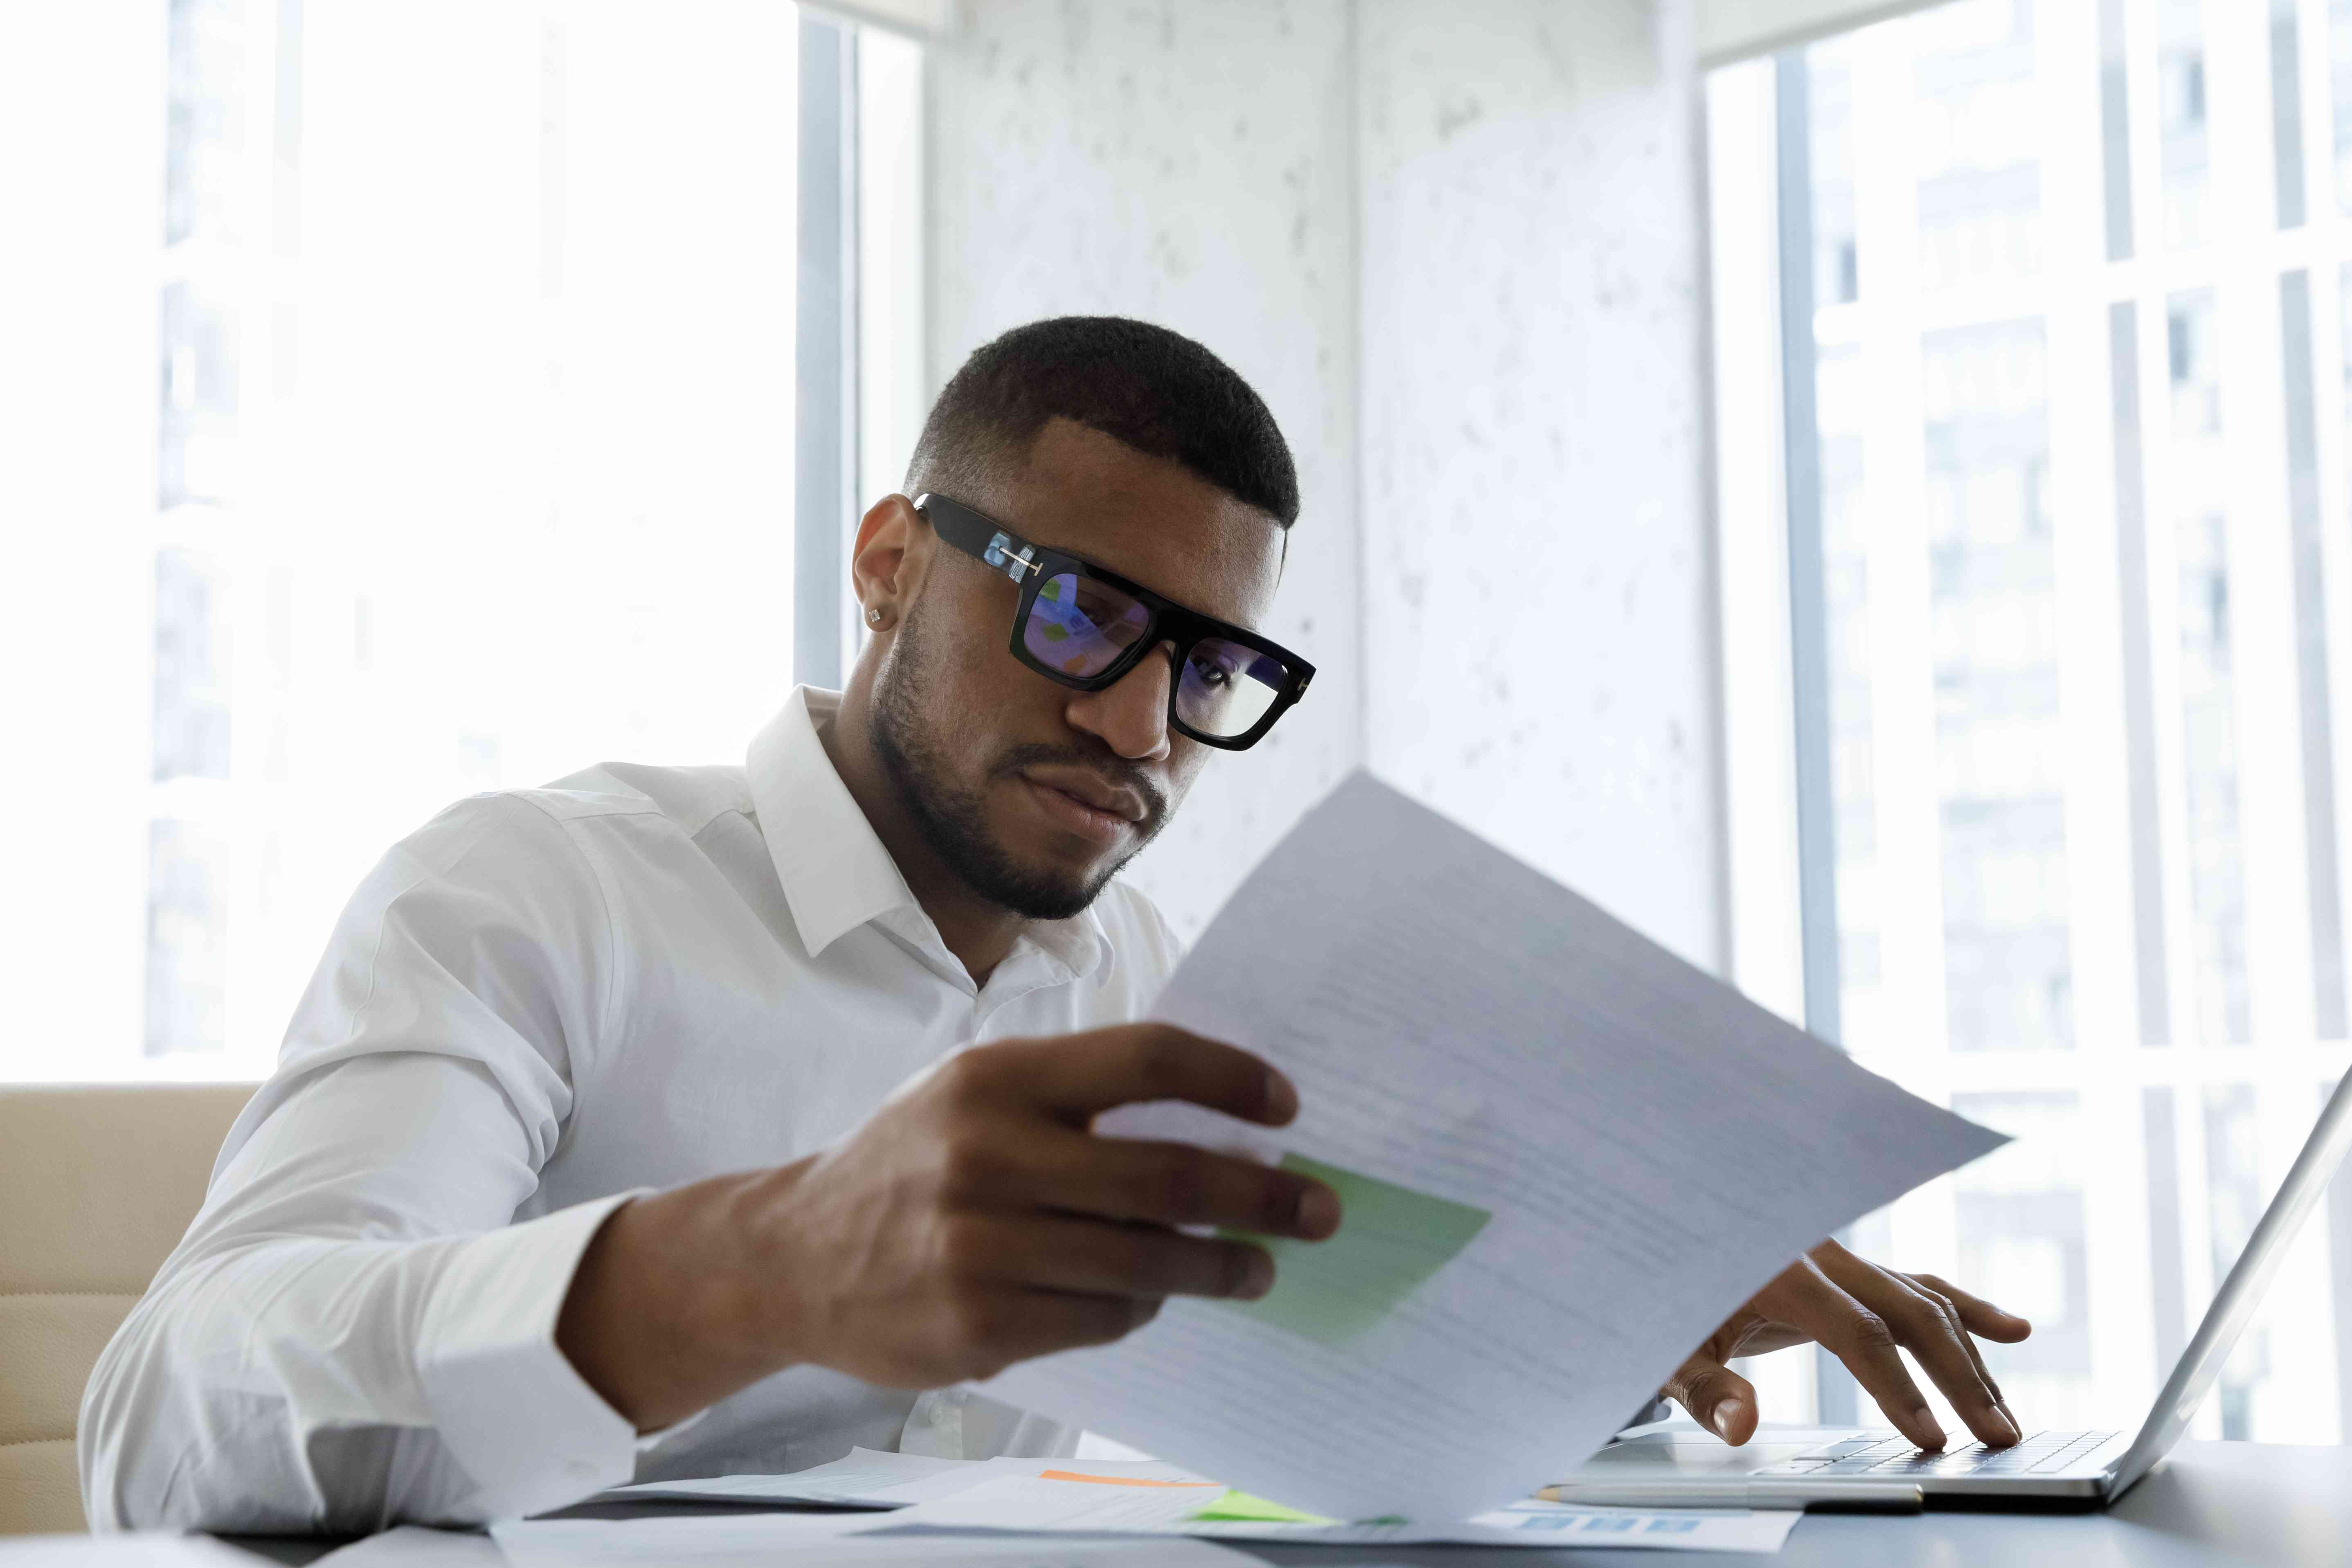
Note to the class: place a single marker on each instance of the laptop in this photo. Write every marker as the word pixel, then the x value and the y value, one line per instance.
pixel 1680 1464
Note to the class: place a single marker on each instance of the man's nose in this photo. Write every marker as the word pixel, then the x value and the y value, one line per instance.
pixel 1131 715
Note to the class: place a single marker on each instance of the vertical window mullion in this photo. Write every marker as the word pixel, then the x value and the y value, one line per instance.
pixel 2141 762
pixel 1759 740
pixel 2114 129
pixel 2287 139
pixel 1835 1390
pixel 824 410
pixel 1800 469
pixel 2315 720
pixel 2167 1294
pixel 2338 1224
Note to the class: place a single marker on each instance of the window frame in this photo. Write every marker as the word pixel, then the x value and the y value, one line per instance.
pixel 1780 864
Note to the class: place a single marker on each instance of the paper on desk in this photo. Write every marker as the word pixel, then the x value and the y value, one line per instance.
pixel 1081 1505
pixel 869 1478
pixel 416 1546
pixel 823 1540
pixel 556 1543
pixel 1612 1151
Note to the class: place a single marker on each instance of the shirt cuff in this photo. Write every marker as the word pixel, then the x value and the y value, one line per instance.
pixel 507 1404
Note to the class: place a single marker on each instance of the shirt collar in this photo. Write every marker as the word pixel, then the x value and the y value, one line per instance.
pixel 835 873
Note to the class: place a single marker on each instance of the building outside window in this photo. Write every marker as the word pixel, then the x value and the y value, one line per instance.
pixel 469 415
pixel 2038 536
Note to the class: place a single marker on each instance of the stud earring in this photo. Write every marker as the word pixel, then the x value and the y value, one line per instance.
pixel 873 617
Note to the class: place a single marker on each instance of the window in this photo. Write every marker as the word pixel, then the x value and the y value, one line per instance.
pixel 465 437
pixel 2037 530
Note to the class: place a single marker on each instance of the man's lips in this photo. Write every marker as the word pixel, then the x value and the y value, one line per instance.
pixel 1094 794
pixel 1081 817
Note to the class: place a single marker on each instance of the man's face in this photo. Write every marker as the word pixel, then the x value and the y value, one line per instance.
pixel 1034 793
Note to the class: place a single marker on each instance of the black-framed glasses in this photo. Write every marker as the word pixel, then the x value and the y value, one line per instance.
pixel 1086 628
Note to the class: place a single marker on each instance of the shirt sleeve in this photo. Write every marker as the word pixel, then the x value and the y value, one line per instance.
pixel 353 1333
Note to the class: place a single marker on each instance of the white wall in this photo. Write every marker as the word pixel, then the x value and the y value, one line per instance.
pixel 1190 166
pixel 1477 222
pixel 1538 598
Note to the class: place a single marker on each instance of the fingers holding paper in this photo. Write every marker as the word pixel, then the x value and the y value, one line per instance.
pixel 972 1221
pixel 976 1221
pixel 1865 1315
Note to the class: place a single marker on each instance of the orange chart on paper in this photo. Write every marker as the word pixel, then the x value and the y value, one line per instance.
pixel 1120 1480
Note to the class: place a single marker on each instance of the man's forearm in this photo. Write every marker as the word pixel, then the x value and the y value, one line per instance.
pixel 664 1316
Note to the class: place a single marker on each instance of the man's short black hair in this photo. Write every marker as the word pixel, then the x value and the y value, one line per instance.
pixel 1157 391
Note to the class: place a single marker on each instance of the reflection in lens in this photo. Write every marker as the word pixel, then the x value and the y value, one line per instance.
pixel 1225 688
pixel 1079 626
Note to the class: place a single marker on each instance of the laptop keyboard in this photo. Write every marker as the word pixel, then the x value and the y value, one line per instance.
pixel 2043 1453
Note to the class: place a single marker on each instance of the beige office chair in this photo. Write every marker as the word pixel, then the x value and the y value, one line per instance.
pixel 97 1186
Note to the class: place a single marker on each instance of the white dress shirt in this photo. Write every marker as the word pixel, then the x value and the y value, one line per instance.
pixel 544 1002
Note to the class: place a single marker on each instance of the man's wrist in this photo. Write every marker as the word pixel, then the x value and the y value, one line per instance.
pixel 750 1306
pixel 669 1312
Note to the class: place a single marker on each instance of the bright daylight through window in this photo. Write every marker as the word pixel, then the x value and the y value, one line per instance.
pixel 2038 543
pixel 429 378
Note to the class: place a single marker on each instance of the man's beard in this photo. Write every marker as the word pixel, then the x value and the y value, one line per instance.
pixel 954 821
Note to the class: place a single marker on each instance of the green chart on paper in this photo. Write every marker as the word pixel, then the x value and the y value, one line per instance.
pixel 1244 1508
pixel 1391 1238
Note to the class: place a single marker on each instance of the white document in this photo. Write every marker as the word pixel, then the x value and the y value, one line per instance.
pixel 416 1546
pixel 1570 1156
pixel 557 1543
pixel 818 1541
pixel 1028 1503
pixel 868 1477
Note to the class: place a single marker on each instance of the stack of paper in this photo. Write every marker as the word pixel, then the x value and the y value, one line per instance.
pixel 869 1478
pixel 1076 1502
pixel 1049 1511
pixel 914 1496
pixel 818 1541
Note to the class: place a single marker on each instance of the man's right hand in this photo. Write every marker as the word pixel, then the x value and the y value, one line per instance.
pixel 972 1221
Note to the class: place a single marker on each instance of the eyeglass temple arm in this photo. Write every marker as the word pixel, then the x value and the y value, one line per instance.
pixel 1017 558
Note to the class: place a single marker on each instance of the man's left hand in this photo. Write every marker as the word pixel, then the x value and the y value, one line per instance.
pixel 1861 1312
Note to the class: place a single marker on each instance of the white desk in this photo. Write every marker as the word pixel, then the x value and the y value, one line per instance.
pixel 2245 1505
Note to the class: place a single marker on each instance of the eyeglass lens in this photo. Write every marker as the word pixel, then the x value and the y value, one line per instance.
pixel 1224 688
pixel 1081 627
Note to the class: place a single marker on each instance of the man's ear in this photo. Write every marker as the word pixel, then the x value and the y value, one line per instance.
pixel 887 558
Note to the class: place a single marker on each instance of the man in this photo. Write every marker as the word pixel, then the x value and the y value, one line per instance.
pixel 626 1129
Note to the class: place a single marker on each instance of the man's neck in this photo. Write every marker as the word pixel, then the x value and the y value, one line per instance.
pixel 979 933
